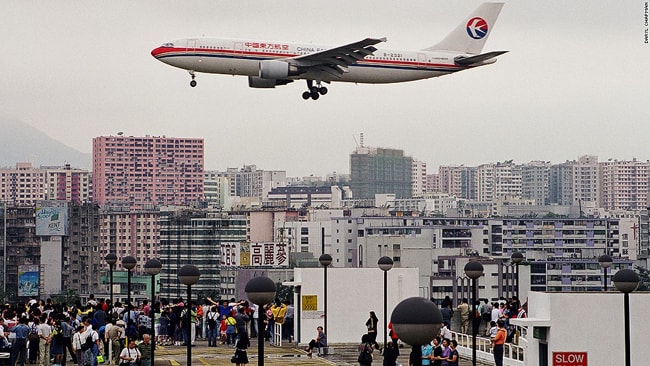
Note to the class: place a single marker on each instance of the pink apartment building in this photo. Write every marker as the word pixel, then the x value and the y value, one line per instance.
pixel 142 171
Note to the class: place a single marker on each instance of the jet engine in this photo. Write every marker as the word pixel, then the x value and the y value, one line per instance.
pixel 255 82
pixel 274 69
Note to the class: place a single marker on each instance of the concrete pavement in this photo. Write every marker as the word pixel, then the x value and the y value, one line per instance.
pixel 289 353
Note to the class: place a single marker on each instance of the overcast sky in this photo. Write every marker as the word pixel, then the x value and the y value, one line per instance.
pixel 576 81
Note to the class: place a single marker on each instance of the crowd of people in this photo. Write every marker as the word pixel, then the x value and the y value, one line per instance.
pixel 441 351
pixel 46 333
pixel 98 331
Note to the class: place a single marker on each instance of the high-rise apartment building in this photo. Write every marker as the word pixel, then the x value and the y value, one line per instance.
pixel 252 182
pixel 25 185
pixel 418 178
pixel 586 181
pixel 197 237
pixel 459 181
pixel 68 184
pixel 535 179
pixel 561 184
pixel 624 185
pixel 450 180
pixel 433 183
pixel 377 170
pixel 82 262
pixel 139 172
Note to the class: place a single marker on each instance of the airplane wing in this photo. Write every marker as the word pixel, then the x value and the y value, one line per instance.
pixel 473 60
pixel 335 61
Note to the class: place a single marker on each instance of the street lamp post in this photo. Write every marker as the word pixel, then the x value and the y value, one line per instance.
pixel 605 262
pixel 385 264
pixel 111 259
pixel 128 263
pixel 517 258
pixel 260 291
pixel 189 275
pixel 474 270
pixel 626 281
pixel 153 267
pixel 416 321
pixel 325 260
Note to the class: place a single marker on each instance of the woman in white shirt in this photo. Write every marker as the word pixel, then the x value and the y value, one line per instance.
pixel 130 354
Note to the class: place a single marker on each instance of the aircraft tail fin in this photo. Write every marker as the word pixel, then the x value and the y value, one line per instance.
pixel 470 35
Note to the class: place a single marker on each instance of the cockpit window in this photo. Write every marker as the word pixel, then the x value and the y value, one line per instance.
pixel 168 45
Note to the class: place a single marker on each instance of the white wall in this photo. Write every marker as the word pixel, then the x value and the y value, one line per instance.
pixel 51 254
pixel 591 323
pixel 351 294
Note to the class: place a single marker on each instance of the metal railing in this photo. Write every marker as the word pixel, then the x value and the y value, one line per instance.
pixel 513 354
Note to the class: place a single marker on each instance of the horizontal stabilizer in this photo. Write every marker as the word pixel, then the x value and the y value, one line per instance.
pixel 472 60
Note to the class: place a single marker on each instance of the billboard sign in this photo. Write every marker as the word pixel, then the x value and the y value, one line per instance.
pixel 245 254
pixel 28 280
pixel 51 218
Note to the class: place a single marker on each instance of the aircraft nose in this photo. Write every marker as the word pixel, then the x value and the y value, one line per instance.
pixel 157 51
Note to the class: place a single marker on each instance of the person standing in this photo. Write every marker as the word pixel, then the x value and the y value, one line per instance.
pixel 390 353
pixel 371 324
pixel 58 345
pixel 437 353
pixel 446 352
pixel 453 358
pixel 464 316
pixel 255 310
pixel 130 354
pixel 44 334
pixel 145 350
pixel 191 337
pixel 33 339
pixel 447 313
pixel 68 329
pixel 78 340
pixel 241 355
pixel 365 351
pixel 114 335
pixel 19 346
pixel 212 323
pixel 427 353
pixel 497 343
pixel 486 314
pixel 287 328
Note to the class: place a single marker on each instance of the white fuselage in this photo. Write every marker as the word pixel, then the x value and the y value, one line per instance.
pixel 242 57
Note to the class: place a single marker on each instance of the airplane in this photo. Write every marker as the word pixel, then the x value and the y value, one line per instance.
pixel 269 64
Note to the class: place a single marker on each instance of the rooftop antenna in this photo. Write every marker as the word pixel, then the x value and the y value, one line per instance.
pixel 361 138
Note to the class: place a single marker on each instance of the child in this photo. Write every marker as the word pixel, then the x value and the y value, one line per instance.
pixel 222 329
pixel 493 329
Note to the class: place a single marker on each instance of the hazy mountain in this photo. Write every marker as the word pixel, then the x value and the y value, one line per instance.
pixel 20 142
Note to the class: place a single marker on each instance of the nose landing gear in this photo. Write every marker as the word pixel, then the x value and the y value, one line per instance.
pixel 193 82
pixel 314 92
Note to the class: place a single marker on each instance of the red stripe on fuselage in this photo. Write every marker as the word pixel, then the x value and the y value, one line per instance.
pixel 162 51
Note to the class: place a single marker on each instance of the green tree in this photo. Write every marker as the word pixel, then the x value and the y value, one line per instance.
pixel 68 296
pixel 644 277
pixel 284 293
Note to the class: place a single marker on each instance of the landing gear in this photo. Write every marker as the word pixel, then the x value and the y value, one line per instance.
pixel 193 82
pixel 314 92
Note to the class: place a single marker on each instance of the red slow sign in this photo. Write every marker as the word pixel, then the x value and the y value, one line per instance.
pixel 569 358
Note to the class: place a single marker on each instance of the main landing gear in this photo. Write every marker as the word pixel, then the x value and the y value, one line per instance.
pixel 193 82
pixel 314 92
